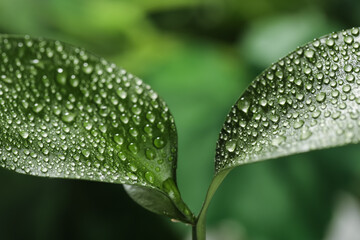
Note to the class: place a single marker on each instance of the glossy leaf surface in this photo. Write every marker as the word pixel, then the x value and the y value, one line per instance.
pixel 308 100
pixel 67 113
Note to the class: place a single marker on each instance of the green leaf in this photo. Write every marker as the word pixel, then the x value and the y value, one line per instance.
pixel 66 113
pixel 308 100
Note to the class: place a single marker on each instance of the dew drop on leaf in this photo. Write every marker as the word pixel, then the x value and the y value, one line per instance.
pixel 231 145
pixel 133 148
pixel 321 97
pixel 149 176
pixel 243 105
pixel 24 134
pixel 86 153
pixel 277 141
pixel 159 142
pixel 38 107
pixel 118 139
pixel 305 134
pixel 309 53
pixel 298 124
pixel 150 154
pixel 61 76
pixel 68 117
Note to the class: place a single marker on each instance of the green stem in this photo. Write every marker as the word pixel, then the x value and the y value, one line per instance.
pixel 194 237
pixel 172 190
pixel 199 230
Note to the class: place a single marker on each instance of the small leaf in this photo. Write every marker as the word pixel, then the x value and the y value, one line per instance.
pixel 69 114
pixel 308 100
pixel 168 203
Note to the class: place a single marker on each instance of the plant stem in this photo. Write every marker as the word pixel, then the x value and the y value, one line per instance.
pixel 172 190
pixel 199 229
pixel 194 237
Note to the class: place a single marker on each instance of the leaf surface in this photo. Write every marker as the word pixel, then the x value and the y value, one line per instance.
pixel 66 113
pixel 307 100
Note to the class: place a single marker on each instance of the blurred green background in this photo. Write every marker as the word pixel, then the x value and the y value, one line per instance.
pixel 199 55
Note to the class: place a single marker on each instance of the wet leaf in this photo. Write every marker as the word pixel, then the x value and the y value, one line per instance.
pixel 66 113
pixel 307 100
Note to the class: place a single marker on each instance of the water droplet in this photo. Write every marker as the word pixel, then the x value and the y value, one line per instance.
pixel 86 153
pixel 330 42
pixel 133 148
pixel 305 134
pixel 100 157
pixel 87 68
pixel 150 116
pixel 336 115
pixel 74 82
pixel 348 39
pixel 122 156
pixel 150 154
pixel 61 76
pixel 159 142
pixel 149 176
pixel 133 132
pixel 277 141
pixel 243 105
pixel 309 53
pixel 350 78
pixel 346 88
pixel 68 117
pixel 88 125
pixel 298 124
pixel 121 93
pixel 38 107
pixel 230 146
pixel 118 139
pixel 316 114
pixel 263 102
pixel 24 134
pixel 133 168
pixel 6 79
pixel 321 97
pixel 348 68
pixel 102 128
pixel 274 118
pixel 136 110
